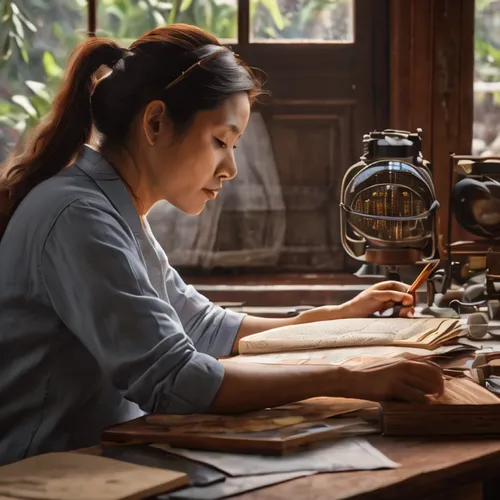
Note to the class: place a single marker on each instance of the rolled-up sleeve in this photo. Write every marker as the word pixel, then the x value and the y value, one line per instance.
pixel 212 328
pixel 98 285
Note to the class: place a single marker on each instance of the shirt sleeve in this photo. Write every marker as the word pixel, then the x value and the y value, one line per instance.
pixel 98 285
pixel 212 328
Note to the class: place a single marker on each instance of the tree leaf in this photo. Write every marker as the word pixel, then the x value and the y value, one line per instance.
pixel 25 55
pixel 164 5
pixel 24 102
pixel 275 13
pixel 27 22
pixel 14 8
pixel 159 19
pixel 50 66
pixel 172 17
pixel 7 13
pixel 39 89
pixel 41 105
pixel 114 10
pixel 6 49
pixel 185 5
pixel 18 25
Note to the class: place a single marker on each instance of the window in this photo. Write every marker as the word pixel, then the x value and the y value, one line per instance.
pixel 35 37
pixel 126 20
pixel 317 56
pixel 301 21
pixel 486 131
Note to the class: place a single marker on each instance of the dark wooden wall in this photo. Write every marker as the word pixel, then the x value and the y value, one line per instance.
pixel 324 98
pixel 432 72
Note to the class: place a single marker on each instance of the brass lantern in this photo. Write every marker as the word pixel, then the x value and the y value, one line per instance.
pixel 388 203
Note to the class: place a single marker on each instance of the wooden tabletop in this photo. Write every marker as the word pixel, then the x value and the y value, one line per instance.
pixel 427 468
pixel 430 470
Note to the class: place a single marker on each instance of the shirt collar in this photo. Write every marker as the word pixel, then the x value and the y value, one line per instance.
pixel 93 164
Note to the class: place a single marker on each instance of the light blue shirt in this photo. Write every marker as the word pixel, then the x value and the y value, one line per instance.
pixel 95 326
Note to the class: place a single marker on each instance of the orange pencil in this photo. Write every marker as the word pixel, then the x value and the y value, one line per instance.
pixel 423 276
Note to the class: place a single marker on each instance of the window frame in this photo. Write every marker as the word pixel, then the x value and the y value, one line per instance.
pixel 244 31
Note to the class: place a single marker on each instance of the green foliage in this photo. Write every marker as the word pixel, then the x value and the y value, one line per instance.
pixel 36 37
pixel 487 41
pixel 218 17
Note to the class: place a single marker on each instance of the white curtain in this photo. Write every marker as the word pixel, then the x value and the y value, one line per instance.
pixel 244 226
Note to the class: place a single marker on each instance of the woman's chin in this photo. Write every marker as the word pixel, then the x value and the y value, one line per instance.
pixel 194 209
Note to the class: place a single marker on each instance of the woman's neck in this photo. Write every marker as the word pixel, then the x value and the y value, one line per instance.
pixel 123 162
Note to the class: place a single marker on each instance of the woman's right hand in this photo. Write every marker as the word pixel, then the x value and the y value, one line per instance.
pixel 410 381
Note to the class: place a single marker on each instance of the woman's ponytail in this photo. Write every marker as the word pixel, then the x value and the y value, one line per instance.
pixel 58 138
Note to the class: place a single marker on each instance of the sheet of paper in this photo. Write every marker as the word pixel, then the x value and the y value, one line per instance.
pixel 233 486
pixel 64 476
pixel 342 333
pixel 341 355
pixel 346 454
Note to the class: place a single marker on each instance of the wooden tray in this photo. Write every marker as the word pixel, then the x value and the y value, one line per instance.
pixel 272 442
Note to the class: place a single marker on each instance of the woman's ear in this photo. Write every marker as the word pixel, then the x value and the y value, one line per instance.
pixel 153 119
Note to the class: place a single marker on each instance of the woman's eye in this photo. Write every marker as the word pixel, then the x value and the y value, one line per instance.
pixel 222 144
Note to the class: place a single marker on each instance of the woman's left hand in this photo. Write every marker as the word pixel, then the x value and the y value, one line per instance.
pixel 376 298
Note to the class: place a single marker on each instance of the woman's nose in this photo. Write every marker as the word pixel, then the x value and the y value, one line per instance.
pixel 229 169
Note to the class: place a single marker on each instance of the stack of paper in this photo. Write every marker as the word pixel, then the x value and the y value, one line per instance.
pixel 347 356
pixel 425 333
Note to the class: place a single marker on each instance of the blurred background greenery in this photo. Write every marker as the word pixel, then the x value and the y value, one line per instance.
pixel 36 37
pixel 486 128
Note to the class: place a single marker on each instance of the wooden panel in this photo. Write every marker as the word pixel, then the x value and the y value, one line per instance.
pixel 453 83
pixel 432 60
pixel 313 146
pixel 412 51
pixel 324 98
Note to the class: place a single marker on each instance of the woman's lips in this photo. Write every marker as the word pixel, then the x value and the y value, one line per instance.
pixel 211 193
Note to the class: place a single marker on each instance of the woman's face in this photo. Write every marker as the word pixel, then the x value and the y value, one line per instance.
pixel 190 169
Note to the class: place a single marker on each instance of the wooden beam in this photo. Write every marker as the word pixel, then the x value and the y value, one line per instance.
pixel 92 17
pixel 432 66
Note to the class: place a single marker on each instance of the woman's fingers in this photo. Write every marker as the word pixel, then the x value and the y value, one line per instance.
pixel 396 286
pixel 410 394
pixel 391 285
pixel 427 376
pixel 407 312
pixel 425 386
pixel 393 296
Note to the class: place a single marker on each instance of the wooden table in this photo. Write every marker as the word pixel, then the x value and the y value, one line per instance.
pixel 432 470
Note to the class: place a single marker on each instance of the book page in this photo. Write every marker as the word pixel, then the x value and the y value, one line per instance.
pixel 342 333
pixel 341 355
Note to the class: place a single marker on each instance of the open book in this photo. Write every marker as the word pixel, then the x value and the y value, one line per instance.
pixel 353 356
pixel 427 333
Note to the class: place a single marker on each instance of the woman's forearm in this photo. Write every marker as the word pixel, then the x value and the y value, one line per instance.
pixel 255 324
pixel 248 387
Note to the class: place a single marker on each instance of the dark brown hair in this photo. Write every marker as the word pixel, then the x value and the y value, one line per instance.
pixel 138 75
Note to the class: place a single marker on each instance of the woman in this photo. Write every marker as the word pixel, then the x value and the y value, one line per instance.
pixel 95 326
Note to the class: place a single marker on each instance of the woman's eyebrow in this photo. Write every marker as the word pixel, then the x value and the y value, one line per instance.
pixel 234 128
